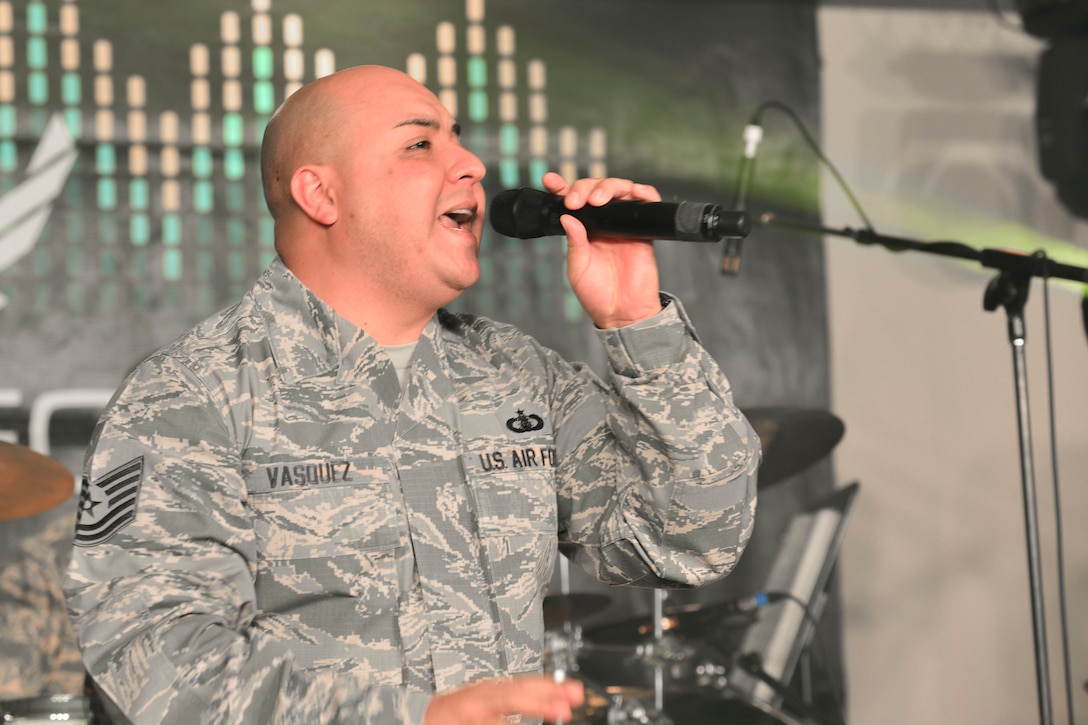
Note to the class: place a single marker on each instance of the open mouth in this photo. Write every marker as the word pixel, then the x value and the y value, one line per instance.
pixel 460 219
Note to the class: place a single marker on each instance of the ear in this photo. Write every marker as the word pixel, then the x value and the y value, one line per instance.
pixel 312 191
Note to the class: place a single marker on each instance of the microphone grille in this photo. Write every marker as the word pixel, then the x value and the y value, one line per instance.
pixel 519 213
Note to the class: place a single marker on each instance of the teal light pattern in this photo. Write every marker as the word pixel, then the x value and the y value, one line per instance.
pixel 196 235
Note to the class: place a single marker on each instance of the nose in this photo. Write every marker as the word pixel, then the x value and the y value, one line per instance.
pixel 467 166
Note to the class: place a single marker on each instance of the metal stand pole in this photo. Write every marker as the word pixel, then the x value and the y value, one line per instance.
pixel 659 666
pixel 1010 291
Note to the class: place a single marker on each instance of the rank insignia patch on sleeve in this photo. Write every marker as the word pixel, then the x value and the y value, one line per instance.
pixel 109 504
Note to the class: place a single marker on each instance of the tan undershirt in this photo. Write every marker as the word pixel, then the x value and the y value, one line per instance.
pixel 401 355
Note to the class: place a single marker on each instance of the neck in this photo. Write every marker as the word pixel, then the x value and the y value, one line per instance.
pixel 385 330
pixel 389 320
pixel 384 312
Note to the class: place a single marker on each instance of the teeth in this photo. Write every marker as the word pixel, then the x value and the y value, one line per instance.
pixel 461 216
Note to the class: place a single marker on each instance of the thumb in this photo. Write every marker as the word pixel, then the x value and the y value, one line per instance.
pixel 578 248
pixel 575 230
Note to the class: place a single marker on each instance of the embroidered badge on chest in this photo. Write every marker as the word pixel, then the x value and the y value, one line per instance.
pixel 522 423
pixel 109 504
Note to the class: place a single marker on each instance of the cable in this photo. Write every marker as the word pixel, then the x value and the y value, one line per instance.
pixel 752 663
pixel 756 120
pixel 1058 530
pixel 838 689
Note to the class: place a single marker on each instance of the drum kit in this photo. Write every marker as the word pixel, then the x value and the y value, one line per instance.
pixel 32 484
pixel 674 667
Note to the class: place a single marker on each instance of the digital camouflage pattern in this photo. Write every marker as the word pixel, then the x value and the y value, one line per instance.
pixel 38 651
pixel 307 545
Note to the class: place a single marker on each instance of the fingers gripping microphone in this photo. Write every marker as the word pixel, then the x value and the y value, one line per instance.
pixel 753 135
pixel 530 213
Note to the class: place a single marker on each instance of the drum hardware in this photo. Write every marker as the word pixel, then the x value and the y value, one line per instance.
pixel 711 675
pixel 659 653
pixel 561 648
pixel 51 709
pixel 614 708
pixel 624 711
pixel 707 624
pixel 563 643
pixel 603 705
pixel 559 609
pixel 676 666
pixel 664 652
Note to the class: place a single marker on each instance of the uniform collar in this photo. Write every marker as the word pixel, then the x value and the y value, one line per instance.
pixel 309 338
pixel 302 329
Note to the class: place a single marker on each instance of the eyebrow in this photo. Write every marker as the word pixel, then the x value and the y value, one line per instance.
pixel 428 123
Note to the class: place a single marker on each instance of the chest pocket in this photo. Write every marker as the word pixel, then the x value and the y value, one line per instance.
pixel 314 521
pixel 516 514
pixel 327 574
pixel 513 503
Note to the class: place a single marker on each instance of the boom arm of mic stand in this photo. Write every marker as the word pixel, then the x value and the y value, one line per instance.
pixel 1016 263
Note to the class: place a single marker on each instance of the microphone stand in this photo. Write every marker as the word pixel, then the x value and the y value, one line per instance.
pixel 1009 289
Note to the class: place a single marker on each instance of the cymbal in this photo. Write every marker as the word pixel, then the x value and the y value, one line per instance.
pixel 562 608
pixel 793 438
pixel 689 620
pixel 30 483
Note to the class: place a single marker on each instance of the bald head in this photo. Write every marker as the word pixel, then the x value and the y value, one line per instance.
pixel 289 139
pixel 310 127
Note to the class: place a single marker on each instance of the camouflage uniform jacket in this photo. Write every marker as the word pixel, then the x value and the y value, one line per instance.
pixel 270 532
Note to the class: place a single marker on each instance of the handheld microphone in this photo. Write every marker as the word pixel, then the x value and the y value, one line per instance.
pixel 531 213
pixel 753 135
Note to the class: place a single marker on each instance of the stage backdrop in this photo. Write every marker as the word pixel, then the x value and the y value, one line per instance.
pixel 131 206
